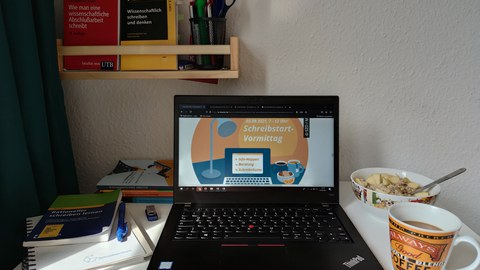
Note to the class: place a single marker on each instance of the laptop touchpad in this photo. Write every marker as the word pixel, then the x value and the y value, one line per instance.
pixel 253 257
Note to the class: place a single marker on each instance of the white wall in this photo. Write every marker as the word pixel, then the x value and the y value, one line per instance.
pixel 407 73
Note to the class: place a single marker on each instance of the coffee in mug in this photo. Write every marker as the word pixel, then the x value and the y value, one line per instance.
pixel 296 167
pixel 422 225
pixel 279 165
pixel 422 237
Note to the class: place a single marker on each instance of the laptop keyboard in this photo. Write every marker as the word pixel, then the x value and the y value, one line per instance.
pixel 313 224
pixel 247 181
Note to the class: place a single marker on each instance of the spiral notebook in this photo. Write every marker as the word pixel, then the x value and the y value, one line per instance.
pixel 105 255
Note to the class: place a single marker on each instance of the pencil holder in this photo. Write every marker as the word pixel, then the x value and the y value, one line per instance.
pixel 207 31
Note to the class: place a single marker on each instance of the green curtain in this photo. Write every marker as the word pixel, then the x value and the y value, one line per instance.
pixel 36 160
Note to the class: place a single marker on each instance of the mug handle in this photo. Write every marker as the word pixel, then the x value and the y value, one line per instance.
pixel 300 168
pixel 470 240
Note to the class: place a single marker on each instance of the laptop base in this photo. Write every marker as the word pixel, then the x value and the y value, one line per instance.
pixel 261 254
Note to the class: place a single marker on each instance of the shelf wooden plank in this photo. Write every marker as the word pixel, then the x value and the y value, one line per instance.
pixel 167 74
pixel 231 50
pixel 234 53
pixel 146 49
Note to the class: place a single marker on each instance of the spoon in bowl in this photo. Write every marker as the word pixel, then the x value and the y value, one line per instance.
pixel 440 180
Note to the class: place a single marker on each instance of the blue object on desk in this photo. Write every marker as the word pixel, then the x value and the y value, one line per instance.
pixel 122 228
pixel 151 212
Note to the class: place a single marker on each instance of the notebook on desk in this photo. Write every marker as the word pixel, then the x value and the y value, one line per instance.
pixel 112 254
pixel 256 187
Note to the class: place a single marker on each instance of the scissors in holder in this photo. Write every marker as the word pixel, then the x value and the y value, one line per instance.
pixel 225 7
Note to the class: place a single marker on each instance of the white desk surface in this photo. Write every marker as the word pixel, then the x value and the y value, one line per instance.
pixel 371 223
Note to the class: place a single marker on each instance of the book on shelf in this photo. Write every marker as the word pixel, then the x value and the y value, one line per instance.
pixel 151 22
pixel 149 200
pixel 92 22
pixel 111 254
pixel 77 218
pixel 139 176
pixel 128 193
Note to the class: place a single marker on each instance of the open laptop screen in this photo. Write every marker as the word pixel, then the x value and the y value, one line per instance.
pixel 247 144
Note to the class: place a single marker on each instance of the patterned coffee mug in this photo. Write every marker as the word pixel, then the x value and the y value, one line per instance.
pixel 422 237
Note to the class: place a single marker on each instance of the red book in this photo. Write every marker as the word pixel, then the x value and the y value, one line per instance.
pixel 90 22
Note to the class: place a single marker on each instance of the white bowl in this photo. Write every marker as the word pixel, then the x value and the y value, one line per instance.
pixel 382 200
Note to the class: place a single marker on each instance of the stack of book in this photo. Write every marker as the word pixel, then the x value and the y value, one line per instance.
pixel 79 232
pixel 141 181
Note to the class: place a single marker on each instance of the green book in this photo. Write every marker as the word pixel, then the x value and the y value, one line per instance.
pixel 78 218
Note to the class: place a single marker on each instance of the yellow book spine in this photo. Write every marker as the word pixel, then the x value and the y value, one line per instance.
pixel 154 62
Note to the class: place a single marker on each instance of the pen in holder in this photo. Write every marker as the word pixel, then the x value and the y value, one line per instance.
pixel 208 31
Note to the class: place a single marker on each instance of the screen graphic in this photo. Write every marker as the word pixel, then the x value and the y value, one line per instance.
pixel 247 163
pixel 240 147
pixel 242 151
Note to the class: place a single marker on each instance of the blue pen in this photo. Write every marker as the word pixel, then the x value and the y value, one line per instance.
pixel 217 7
pixel 122 228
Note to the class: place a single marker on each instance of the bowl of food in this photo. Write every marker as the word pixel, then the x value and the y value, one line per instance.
pixel 384 187
pixel 286 177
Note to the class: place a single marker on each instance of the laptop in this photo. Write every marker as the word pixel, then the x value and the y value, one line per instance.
pixel 256 186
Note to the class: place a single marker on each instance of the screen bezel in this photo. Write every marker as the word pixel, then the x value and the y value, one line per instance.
pixel 289 195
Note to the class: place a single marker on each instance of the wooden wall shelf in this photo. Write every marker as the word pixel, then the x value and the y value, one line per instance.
pixel 230 49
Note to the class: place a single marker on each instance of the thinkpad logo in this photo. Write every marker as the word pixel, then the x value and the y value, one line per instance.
pixel 353 261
